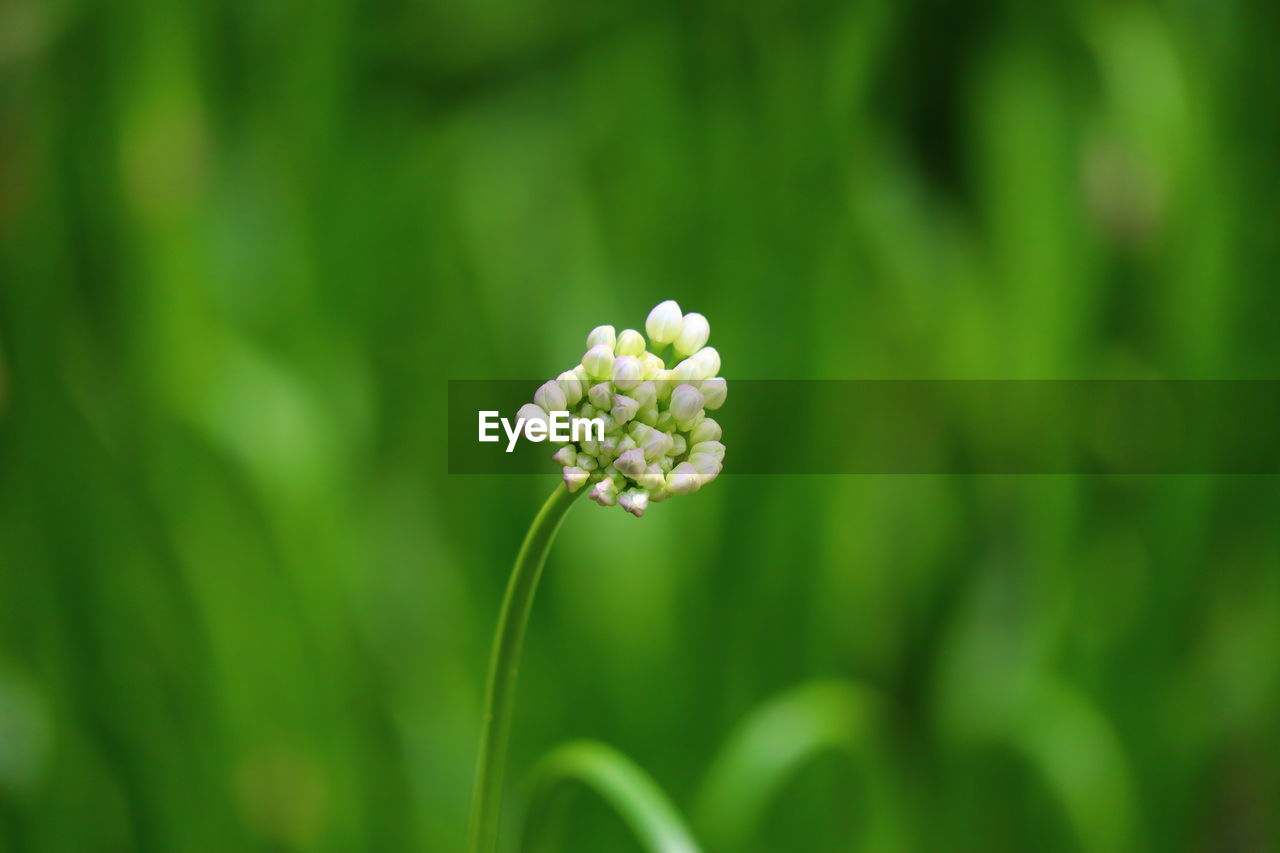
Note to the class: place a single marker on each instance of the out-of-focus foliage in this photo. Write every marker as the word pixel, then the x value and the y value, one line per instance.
pixel 242 607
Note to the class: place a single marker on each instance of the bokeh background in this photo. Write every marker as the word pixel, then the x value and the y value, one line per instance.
pixel 243 607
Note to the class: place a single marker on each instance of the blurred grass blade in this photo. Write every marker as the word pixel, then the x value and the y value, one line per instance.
pixel 773 744
pixel 628 790
pixel 1074 749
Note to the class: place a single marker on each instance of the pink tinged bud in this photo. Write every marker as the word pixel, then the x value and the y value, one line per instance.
pixel 605 493
pixel 635 501
pixel 566 456
pixel 678 444
pixel 601 396
pixel 624 408
pixel 646 394
pixel 575 478
pixel 631 464
pixel 627 372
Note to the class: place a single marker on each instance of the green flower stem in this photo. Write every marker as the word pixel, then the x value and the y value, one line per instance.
pixel 504 664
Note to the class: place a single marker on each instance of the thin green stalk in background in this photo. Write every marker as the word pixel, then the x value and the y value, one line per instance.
pixel 486 804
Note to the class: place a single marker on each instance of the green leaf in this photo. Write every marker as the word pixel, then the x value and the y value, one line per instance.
pixel 773 744
pixel 627 789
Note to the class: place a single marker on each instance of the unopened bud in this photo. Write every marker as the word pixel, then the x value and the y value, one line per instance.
pixel 630 342
pixel 693 334
pixel 683 479
pixel 706 430
pixel 602 336
pixel 686 405
pixel 550 397
pixel 714 392
pixel 631 464
pixel 575 478
pixel 627 372
pixel 624 408
pixel 664 323
pixel 605 493
pixel 601 396
pixel 635 501
pixel 599 361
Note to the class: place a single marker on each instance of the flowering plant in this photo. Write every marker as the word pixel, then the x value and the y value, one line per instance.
pixel 655 439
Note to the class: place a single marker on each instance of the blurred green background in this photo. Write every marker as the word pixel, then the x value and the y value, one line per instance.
pixel 242 606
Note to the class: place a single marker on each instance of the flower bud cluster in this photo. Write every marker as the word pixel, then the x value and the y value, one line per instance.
pixel 657 438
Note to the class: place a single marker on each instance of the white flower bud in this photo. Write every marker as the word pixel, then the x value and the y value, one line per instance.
pixel 693 334
pixel 608 448
pixel 627 372
pixel 587 411
pixel 550 397
pixel 602 336
pixel 635 501
pixel 572 386
pixel 655 444
pixel 714 392
pixel 601 396
pixel 631 464
pixel 686 405
pixel 532 413
pixel 624 408
pixel 587 463
pixel 575 478
pixel 605 493
pixel 645 394
pixel 664 323
pixel 648 415
pixel 630 342
pixel 707 467
pixel 686 371
pixel 707 430
pixel 566 456
pixel 652 364
pixel 678 445
pixel 683 479
pixel 626 443
pixel 599 361
pixel 652 478
pixel 711 448
pixel 662 384
pixel 666 422
pixel 709 357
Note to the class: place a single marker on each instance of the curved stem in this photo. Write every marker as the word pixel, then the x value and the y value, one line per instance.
pixel 504 663
pixel 631 792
